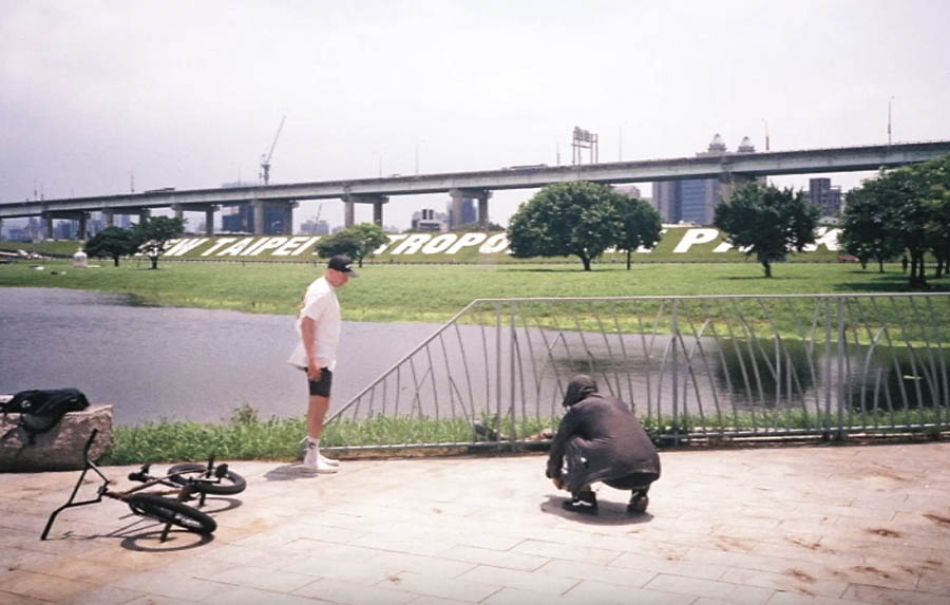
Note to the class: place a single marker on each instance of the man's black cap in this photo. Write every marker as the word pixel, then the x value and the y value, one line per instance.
pixel 343 264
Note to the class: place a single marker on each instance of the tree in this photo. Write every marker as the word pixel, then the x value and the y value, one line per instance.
pixel 936 183
pixel 153 234
pixel 902 193
pixel 112 242
pixel 357 242
pixel 641 226
pixel 767 222
pixel 866 231
pixel 567 219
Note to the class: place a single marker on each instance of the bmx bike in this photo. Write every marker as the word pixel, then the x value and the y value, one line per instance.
pixel 182 481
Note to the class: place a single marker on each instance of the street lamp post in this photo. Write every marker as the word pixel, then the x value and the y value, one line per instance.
pixel 889 101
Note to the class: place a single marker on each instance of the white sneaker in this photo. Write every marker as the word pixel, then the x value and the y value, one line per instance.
pixel 320 467
pixel 315 463
pixel 328 461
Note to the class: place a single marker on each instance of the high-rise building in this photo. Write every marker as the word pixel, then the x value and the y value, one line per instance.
pixel 429 220
pixel 239 218
pixel 315 227
pixel 469 213
pixel 694 200
pixel 631 191
pixel 826 197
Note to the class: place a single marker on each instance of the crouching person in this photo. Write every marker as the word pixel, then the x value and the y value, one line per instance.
pixel 600 439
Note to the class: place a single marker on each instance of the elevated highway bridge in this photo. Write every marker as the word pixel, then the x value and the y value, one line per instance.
pixel 730 167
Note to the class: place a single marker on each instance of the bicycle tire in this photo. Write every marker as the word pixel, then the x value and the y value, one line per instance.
pixel 231 483
pixel 171 511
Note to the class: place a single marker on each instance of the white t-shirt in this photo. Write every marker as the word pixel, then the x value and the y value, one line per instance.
pixel 321 305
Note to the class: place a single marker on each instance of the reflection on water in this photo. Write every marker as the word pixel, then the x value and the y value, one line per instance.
pixel 878 378
pixel 181 364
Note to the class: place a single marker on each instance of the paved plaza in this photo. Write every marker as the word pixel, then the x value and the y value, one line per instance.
pixel 813 524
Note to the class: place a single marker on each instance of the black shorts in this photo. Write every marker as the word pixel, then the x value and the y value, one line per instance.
pixel 321 387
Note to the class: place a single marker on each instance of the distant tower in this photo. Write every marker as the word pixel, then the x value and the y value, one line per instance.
pixel 717 145
pixel 694 201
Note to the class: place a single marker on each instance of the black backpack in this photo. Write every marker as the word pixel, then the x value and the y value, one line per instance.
pixel 41 410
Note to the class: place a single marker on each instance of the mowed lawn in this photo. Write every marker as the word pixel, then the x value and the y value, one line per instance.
pixel 434 293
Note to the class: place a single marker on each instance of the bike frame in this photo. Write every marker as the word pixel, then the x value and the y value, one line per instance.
pixel 183 491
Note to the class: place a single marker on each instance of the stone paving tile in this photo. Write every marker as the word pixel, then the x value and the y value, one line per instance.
pixel 42 586
pixel 445 588
pixel 621 576
pixel 171 584
pixel 9 598
pixel 488 556
pixel 794 598
pixel 242 595
pixel 888 596
pixel 547 584
pixel 353 593
pixel 646 562
pixel 264 579
pixel 158 600
pixel 570 552
pixel 726 591
pixel 724 526
pixel 106 595
pixel 792 580
pixel 426 600
pixel 602 593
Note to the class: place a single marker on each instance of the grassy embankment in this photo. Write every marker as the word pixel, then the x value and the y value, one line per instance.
pixel 431 293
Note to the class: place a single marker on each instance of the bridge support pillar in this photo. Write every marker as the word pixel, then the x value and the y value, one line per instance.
pixel 1 228
pixel 376 200
pixel 109 217
pixel 257 208
pixel 48 226
pixel 144 214
pixel 457 213
pixel 267 222
pixel 83 219
pixel 729 182
pixel 208 209
pixel 209 220
pixel 349 211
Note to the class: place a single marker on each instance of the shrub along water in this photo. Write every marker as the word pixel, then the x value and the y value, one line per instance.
pixel 246 437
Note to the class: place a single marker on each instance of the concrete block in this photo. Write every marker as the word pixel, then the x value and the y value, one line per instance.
pixel 59 449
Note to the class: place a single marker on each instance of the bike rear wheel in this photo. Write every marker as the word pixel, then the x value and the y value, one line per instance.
pixel 171 511
pixel 230 483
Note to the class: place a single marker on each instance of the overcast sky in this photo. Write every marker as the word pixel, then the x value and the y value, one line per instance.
pixel 191 94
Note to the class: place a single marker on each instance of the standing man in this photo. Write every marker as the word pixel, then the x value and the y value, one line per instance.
pixel 319 325
pixel 600 439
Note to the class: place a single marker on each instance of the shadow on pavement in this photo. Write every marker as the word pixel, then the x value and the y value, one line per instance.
pixel 609 513
pixel 289 472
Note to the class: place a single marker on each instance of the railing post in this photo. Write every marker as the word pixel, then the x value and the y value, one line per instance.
pixel 675 329
pixel 512 348
pixel 843 380
pixel 498 385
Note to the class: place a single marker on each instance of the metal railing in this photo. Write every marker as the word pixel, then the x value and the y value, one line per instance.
pixel 693 368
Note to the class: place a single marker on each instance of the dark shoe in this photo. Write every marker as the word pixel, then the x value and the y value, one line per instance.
pixel 638 502
pixel 582 502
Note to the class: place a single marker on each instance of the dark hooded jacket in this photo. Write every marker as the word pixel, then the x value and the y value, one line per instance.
pixel 600 438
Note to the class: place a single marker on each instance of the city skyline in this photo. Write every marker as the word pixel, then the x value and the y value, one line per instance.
pixel 101 101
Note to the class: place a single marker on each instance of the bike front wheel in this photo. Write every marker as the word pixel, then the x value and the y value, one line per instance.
pixel 171 511
pixel 231 483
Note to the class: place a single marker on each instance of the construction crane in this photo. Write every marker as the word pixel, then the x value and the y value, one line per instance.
pixel 265 159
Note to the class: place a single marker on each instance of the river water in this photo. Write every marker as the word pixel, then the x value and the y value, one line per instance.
pixel 179 364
